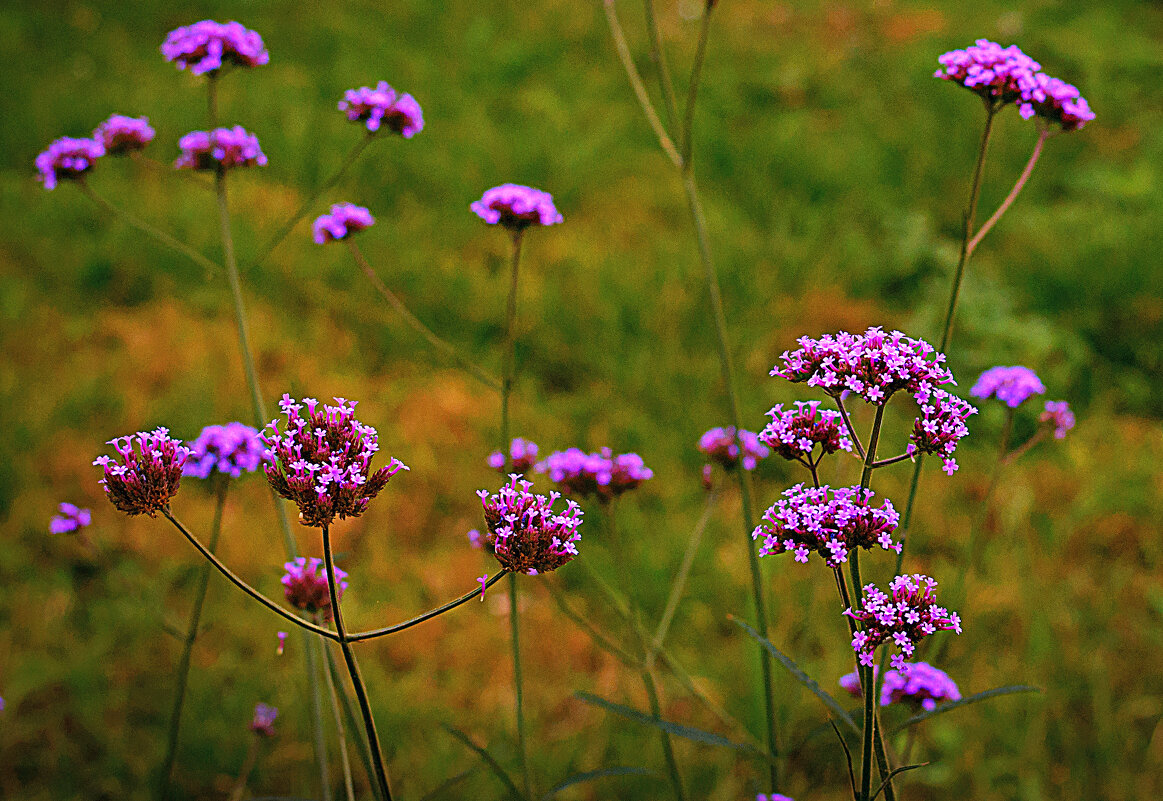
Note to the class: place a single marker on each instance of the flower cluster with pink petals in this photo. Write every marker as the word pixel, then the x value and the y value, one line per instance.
pixel 344 220
pixel 70 518
pixel 120 134
pixel 220 149
pixel 306 587
pixel 721 446
pixel 602 474
pixel 829 521
pixel 516 207
pixel 1013 386
pixel 231 450
pixel 381 106
pixel 263 722
pixel 142 480
pixel 522 454
pixel 67 159
pixel 940 426
pixel 902 619
pixel 918 684
pixel 208 45
pixel 1058 415
pixel 523 530
pixel 794 433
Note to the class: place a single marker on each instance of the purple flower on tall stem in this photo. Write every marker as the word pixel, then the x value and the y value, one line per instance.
pixel 919 685
pixel 793 434
pixel 1013 386
pixel 381 106
pixel 720 446
pixel 522 453
pixel 67 159
pixel 602 474
pixel 207 46
pixel 902 619
pixel 1056 101
pixel 1058 414
pixel 830 522
pixel 263 723
pixel 220 149
pixel 525 533
pixel 940 426
pixel 120 134
pixel 1000 75
pixel 142 480
pixel 71 518
pixel 323 460
pixel 516 207
pixel 305 585
pixel 344 220
pixel 231 449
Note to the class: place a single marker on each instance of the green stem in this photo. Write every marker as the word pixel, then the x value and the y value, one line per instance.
pixel 247 768
pixel 352 723
pixel 679 586
pixel 518 684
pixel 667 746
pixel 669 103
pixel 693 89
pixel 339 731
pixel 312 647
pixel 1013 195
pixel 431 613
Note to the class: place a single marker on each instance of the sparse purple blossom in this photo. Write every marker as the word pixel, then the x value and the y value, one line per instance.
pixel 232 449
pixel 522 453
pixel 120 134
pixel 720 446
pixel 829 521
pixel 323 460
pixel 1013 386
pixel 903 620
pixel 1058 414
pixel 67 159
pixel 71 518
pixel 206 46
pixel 381 106
pixel 940 426
pixel 793 434
pixel 602 474
pixel 525 533
pixel 919 685
pixel 306 587
pixel 142 480
pixel 220 149
pixel 263 723
pixel 516 207
pixel 344 220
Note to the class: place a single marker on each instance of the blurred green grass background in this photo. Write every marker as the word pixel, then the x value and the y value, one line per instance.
pixel 833 169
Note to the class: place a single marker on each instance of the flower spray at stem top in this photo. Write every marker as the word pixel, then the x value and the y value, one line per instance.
pixel 524 531
pixel 382 107
pixel 207 46
pixel 902 618
pixel 516 207
pixel 306 587
pixel 142 480
pixel 918 685
pixel 522 452
pixel 721 447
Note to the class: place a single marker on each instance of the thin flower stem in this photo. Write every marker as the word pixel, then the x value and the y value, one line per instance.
pixel 603 642
pixel 693 88
pixel 518 684
pixel 679 586
pixel 882 763
pixel 667 746
pixel 669 103
pixel 1017 452
pixel 848 425
pixel 223 486
pixel 349 716
pixel 431 613
pixel 436 342
pixel 891 460
pixel 361 696
pixel 1013 195
pixel 247 768
pixel 340 733
pixel 160 166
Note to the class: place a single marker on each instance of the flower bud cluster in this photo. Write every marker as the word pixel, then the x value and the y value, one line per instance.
pixel 1058 415
pixel 829 521
pixel 67 159
pixel 918 685
pixel 305 585
pixel 206 46
pixel 522 453
pixel 793 434
pixel 940 426
pixel 525 533
pixel 142 480
pixel 720 446
pixel 381 106
pixel 220 149
pixel 120 134
pixel 344 220
pixel 516 207
pixel 902 619
pixel 1013 386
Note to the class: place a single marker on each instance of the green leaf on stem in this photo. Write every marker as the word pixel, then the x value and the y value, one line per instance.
pixel 589 776
pixel 487 758
pixel 1009 689
pixel 892 773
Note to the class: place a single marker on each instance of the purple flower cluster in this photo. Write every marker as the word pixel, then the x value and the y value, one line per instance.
pixel 1058 414
pixel 525 533
pixel 67 159
pixel 306 587
pixel 71 518
pixel 919 684
pixel 516 207
pixel 522 452
pixel 720 446
pixel 142 480
pixel 219 149
pixel 1013 386
pixel 902 619
pixel 773 797
pixel 207 45
pixel 582 474
pixel 829 521
pixel 940 426
pixel 344 220
pixel 323 461
pixel 232 449
pixel 120 134
pixel 1057 101
pixel 263 723
pixel 794 433
pixel 382 106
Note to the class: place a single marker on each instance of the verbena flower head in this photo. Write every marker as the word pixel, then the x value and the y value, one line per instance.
pixel 524 531
pixel 1013 386
pixel 119 134
pixel 1056 101
pixel 602 474
pixel 919 685
pixel 874 365
pixel 263 723
pixel 381 106
pixel 829 521
pixel 305 585
pixel 344 220
pixel 67 159
pixel 773 797
pixel 522 452
pixel 323 460
pixel 142 480
pixel 1058 414
pixel 1000 75
pixel 902 619
pixel 71 518
pixel 720 446
pixel 220 149
pixel 232 449
pixel 794 433
pixel 516 207
pixel 208 45
pixel 940 426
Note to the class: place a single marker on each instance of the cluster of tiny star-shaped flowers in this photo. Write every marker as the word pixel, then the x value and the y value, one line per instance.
pixel 1013 386
pixel 940 426
pixel 142 480
pixel 516 207
pixel 232 449
pixel 720 446
pixel 120 134
pixel 323 460
pixel 902 619
pixel 305 585
pixel 381 106
pixel 829 521
pixel 207 45
pixel 67 159
pixel 1058 414
pixel 71 518
pixel 523 530
pixel 219 149
pixel 263 723
pixel 793 433
pixel 344 220
pixel 522 455
pixel 919 685
pixel 601 474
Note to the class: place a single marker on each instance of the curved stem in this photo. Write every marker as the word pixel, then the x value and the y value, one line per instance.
pixel 509 354
pixel 848 425
pixel 891 460
pixel 361 696
pixel 431 613
pixel 688 121
pixel 436 342
pixel 1013 195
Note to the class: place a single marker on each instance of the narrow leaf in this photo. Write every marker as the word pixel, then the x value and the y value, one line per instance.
pixel 888 778
pixel 847 756
pixel 487 758
pixel 589 776
pixel 447 784
pixel 1009 689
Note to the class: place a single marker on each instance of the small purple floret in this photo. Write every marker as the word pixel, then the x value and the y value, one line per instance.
pixel 720 446
pixel 941 425
pixel 903 620
pixel 344 220
pixel 1013 386
pixel 381 106
pixel 919 685
pixel 142 480
pixel 67 159
pixel 1058 414
pixel 522 453
pixel 71 518
pixel 206 46
pixel 516 207
pixel 232 449
pixel 222 148
pixel 263 723
pixel 120 135
pixel 602 474
pixel 306 587
pixel 829 522
pixel 525 533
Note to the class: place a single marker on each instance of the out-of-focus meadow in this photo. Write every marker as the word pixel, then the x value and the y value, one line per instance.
pixel 834 170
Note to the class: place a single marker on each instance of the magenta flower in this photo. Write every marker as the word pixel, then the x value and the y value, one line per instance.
pixel 919 685
pixel 1013 386
pixel 119 135
pixel 142 481
pixel 207 46
pixel 1058 414
pixel 940 426
pixel 382 106
pixel 71 518
pixel 773 797
pixel 306 587
pixel 720 446
pixel 67 159
pixel 525 533
pixel 794 434
pixel 263 723
pixel 344 220
pixel 903 619
pixel 232 449
pixel 323 461
pixel 1056 101
pixel 522 452
pixel 1000 75
pixel 602 474
pixel 830 522
pixel 282 646
pixel 516 207
pixel 220 149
